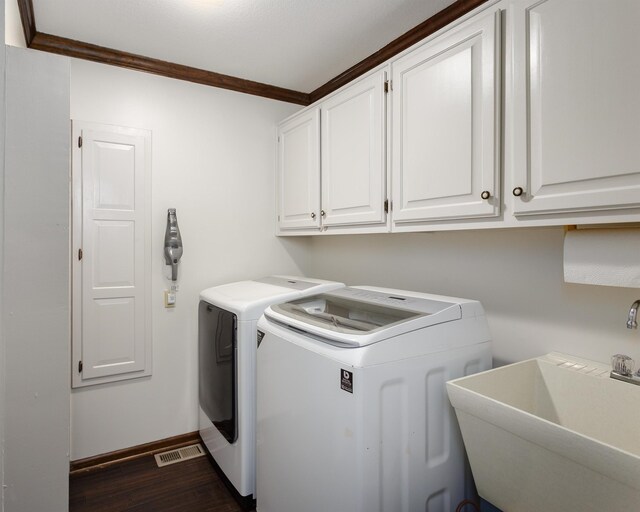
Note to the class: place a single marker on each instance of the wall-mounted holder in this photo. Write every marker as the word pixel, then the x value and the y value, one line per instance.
pixel 172 243
pixel 632 320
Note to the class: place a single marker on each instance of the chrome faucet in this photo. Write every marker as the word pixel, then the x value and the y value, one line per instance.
pixel 632 321
pixel 622 365
pixel 622 369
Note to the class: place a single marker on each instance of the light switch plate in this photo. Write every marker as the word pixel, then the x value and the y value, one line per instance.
pixel 169 299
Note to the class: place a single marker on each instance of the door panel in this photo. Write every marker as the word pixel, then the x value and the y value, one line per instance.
pixel 114 185
pixel 443 91
pixel 114 254
pixel 112 329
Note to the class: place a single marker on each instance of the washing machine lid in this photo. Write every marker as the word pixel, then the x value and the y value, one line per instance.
pixel 355 317
pixel 248 299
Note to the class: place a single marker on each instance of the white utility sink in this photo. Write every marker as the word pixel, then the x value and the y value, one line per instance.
pixel 554 433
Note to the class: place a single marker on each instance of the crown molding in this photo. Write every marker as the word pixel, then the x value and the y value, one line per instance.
pixel 28 20
pixel 95 53
pixel 87 51
pixel 406 40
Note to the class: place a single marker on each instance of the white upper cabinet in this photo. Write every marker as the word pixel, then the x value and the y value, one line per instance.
pixel 299 171
pixel 445 128
pixel 353 154
pixel 576 106
pixel 334 178
pixel 570 126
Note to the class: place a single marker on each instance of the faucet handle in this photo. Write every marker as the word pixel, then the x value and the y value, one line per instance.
pixel 622 364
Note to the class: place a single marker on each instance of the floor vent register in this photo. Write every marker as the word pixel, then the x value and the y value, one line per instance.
pixel 179 455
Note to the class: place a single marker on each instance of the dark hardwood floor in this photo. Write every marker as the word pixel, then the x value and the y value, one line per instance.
pixel 140 486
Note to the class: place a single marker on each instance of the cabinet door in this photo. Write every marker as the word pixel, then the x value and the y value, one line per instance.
pixel 353 156
pixel 299 171
pixel 576 107
pixel 445 149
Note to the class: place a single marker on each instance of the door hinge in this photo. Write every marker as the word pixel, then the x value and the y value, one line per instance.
pixel 79 366
pixel 79 254
pixel 386 86
pixel 80 141
pixel 388 205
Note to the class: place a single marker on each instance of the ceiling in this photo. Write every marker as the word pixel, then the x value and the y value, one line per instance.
pixel 295 44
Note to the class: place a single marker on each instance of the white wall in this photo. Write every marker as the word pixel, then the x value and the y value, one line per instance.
pixel 516 273
pixel 13 33
pixel 213 158
pixel 2 334
pixel 36 313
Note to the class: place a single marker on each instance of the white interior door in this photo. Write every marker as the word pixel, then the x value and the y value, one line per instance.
pixel 111 207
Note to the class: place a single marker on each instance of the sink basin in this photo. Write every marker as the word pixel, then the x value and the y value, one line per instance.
pixel 554 433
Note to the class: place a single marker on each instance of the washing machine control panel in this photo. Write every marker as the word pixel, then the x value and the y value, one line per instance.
pixel 421 305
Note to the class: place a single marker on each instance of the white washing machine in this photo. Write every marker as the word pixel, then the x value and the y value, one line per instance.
pixel 352 411
pixel 227 317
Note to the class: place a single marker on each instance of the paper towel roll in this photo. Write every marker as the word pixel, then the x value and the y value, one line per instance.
pixel 609 257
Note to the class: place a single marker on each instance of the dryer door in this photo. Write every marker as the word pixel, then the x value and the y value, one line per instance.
pixel 217 342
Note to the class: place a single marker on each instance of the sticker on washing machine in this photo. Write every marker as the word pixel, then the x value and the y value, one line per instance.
pixel 259 337
pixel 346 380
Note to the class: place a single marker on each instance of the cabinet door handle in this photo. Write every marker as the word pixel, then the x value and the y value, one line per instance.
pixel 313 215
pixel 518 191
pixel 322 213
pixel 485 194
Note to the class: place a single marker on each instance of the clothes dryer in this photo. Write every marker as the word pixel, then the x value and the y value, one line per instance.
pixel 227 317
pixel 352 412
